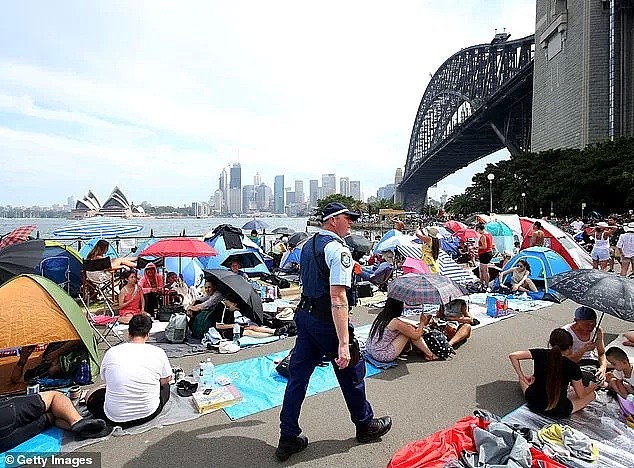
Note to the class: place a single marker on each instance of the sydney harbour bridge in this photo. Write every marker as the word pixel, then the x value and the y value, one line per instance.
pixel 479 101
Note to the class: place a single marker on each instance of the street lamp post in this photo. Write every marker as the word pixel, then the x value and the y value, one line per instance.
pixel 523 204
pixel 491 177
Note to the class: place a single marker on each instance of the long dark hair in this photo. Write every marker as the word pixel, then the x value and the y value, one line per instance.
pixel 560 340
pixel 435 247
pixel 392 309
pixel 99 250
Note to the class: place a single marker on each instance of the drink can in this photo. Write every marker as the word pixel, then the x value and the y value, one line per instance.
pixel 33 388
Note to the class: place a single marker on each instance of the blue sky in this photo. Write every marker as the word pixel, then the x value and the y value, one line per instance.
pixel 158 96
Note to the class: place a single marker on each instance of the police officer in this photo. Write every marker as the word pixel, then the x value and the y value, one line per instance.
pixel 323 330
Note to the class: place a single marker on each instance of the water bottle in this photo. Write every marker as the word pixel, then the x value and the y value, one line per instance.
pixel 236 333
pixel 210 374
pixel 82 375
pixel 630 397
pixel 201 373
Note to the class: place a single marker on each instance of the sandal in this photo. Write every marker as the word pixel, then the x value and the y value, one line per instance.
pixel 432 358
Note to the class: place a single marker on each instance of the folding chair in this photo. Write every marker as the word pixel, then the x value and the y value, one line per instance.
pixel 57 269
pixel 107 322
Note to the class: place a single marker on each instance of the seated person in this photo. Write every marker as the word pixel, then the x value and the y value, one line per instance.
pixel 99 266
pixel 236 266
pixel 131 301
pixel 177 291
pixel 278 249
pixel 588 348
pixel 621 379
pixel 230 314
pixel 208 301
pixel 546 391
pixel 254 237
pixel 24 417
pixel 497 267
pixel 520 280
pixel 389 335
pixel 136 376
pixel 455 318
pixel 152 285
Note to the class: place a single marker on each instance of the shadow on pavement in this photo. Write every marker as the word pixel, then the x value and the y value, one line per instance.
pixel 499 397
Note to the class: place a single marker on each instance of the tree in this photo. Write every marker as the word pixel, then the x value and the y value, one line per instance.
pixel 352 204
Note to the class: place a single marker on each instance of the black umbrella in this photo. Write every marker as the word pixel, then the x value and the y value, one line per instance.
pixel 246 259
pixel 285 231
pixel 296 238
pixel 602 291
pixel 20 258
pixel 232 284
pixel 359 243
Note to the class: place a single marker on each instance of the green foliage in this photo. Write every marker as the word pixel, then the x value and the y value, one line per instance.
pixel 350 202
pixel 600 175
pixel 383 204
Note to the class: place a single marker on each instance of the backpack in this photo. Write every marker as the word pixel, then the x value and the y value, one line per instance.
pixel 283 365
pixel 176 330
pixel 438 344
pixel 202 322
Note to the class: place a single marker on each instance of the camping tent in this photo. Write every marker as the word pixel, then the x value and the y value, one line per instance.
pixel 229 241
pixel 544 263
pixel 35 311
pixel 559 241
pixel 502 235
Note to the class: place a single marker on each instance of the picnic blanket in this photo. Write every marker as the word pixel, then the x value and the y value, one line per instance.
pixel 599 421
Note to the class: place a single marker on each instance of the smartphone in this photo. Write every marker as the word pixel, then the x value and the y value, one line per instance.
pixel 207 391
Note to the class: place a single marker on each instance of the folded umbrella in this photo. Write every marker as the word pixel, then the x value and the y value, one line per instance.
pixel 414 289
pixel 605 292
pixel 232 284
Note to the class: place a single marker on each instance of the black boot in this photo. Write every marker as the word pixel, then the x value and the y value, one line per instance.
pixel 375 429
pixel 289 446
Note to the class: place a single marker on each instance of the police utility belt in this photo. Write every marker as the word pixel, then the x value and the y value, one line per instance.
pixel 317 306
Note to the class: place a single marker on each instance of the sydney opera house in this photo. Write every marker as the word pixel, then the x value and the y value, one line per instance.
pixel 116 206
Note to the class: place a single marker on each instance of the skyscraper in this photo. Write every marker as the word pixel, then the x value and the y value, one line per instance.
pixel 355 189
pixel 263 197
pixel 257 180
pixel 299 191
pixel 313 188
pixel 235 179
pixel 278 194
pixel 344 186
pixel 248 199
pixel 223 186
pixel 398 175
pixel 329 184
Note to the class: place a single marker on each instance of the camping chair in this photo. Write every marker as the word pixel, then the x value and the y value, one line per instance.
pixel 104 290
pixel 107 322
pixel 57 269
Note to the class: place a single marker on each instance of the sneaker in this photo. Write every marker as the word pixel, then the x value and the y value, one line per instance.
pixel 375 429
pixel 288 447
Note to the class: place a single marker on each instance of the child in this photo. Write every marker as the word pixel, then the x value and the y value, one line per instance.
pixel 621 379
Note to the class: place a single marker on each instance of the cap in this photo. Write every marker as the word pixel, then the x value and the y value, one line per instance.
pixel 602 224
pixel 335 209
pixel 585 313
pixel 629 227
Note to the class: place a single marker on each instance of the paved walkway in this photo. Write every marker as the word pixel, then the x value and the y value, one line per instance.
pixel 421 397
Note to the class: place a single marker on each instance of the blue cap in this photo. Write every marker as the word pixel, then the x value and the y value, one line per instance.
pixel 585 313
pixel 335 209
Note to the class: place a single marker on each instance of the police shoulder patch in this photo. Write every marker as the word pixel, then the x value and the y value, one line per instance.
pixel 346 260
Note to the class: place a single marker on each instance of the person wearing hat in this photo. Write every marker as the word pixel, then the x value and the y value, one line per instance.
pixel 431 247
pixel 601 251
pixel 323 329
pixel 625 246
pixel 588 348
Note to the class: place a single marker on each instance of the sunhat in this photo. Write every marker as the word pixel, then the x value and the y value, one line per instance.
pixel 286 314
pixel 335 209
pixel 432 231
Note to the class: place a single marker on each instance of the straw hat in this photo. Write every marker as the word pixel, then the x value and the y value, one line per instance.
pixel 286 314
pixel 432 231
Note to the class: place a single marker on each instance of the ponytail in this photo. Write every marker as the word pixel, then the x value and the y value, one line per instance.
pixel 560 340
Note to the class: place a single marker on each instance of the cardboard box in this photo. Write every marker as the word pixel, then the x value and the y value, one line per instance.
pixel 218 398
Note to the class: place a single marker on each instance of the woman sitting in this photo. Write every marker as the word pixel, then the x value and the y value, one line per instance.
pixel 152 285
pixel 228 315
pixel 131 300
pixel 546 390
pixel 389 334
pixel 520 280
pixel 99 266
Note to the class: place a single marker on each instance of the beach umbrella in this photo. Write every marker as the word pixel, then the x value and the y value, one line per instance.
pixel 358 243
pixel 20 258
pixel 414 289
pixel 296 238
pixel 19 234
pixel 178 247
pixel 283 230
pixel 232 284
pixel 454 225
pixel 414 265
pixel 255 224
pixel 605 292
pixel 98 227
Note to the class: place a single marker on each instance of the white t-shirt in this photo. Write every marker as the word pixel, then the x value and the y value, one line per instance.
pixel 626 244
pixel 577 225
pixel 132 372
pixel 621 376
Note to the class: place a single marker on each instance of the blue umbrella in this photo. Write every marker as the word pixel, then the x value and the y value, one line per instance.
pixel 89 245
pixel 98 227
pixel 255 224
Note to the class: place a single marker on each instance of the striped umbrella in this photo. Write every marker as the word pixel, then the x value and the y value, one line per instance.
pixel 98 227
pixel 414 289
pixel 19 234
pixel 448 267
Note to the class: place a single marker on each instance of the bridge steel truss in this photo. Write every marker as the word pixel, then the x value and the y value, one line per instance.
pixel 477 102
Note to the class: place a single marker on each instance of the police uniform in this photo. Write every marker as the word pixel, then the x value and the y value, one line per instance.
pixel 325 261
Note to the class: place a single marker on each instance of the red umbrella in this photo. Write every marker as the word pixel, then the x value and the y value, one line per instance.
pixel 455 226
pixel 467 234
pixel 19 234
pixel 179 247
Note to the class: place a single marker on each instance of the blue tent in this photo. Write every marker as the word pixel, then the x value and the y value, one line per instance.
pixel 190 268
pixel 502 235
pixel 88 246
pixel 229 241
pixel 544 263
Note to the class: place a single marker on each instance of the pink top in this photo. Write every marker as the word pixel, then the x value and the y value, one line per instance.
pixel 134 307
pixel 145 284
